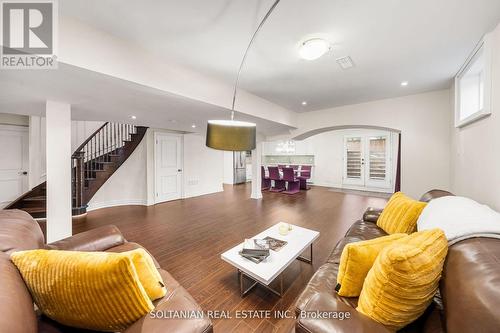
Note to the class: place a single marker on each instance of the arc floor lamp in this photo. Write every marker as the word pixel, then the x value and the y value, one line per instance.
pixel 233 135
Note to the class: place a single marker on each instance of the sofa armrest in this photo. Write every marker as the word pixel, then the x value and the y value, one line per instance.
pixel 372 214
pixel 98 239
pixel 326 305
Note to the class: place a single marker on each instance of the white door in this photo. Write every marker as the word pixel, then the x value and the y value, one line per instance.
pixel 13 163
pixel 367 161
pixel 168 167
pixel 377 157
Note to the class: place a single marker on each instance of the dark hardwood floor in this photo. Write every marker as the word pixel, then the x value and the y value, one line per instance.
pixel 188 236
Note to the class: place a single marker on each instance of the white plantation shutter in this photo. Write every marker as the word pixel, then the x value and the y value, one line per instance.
pixel 354 158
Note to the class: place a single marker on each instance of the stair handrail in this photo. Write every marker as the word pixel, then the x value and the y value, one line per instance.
pixel 80 148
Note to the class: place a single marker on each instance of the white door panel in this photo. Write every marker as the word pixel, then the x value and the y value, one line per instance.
pixel 13 163
pixel 354 160
pixel 168 167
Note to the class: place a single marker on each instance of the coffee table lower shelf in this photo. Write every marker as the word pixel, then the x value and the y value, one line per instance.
pixel 244 291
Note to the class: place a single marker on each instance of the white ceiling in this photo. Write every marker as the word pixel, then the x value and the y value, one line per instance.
pixel 420 41
pixel 95 96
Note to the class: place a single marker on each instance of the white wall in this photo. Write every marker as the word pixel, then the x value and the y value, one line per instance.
pixel 203 167
pixel 476 147
pixel 423 120
pixel 81 131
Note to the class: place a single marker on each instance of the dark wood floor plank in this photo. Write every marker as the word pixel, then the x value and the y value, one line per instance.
pixel 188 236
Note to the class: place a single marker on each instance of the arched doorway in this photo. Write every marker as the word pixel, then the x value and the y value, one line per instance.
pixel 352 157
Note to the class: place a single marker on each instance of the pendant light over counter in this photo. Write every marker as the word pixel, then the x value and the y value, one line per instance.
pixel 232 135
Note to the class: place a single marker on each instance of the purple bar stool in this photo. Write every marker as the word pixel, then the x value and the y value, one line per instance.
pixel 266 181
pixel 305 174
pixel 293 183
pixel 279 184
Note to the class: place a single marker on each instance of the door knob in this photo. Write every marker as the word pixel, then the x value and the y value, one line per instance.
pixel 23 173
pixel 179 170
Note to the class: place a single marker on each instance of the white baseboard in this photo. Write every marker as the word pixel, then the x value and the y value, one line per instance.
pixel 114 203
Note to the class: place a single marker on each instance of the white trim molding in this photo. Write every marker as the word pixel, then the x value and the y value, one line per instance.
pixel 115 203
pixel 483 49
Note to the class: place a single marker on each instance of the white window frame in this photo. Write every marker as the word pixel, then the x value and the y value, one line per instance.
pixel 483 47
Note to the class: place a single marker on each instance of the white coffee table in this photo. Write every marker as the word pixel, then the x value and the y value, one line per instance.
pixel 265 272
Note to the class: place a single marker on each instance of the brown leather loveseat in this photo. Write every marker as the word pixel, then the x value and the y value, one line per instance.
pixel 18 231
pixel 469 300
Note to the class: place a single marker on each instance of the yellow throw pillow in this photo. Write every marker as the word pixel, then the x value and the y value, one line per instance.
pixel 91 290
pixel 400 214
pixel 355 262
pixel 149 276
pixel 404 278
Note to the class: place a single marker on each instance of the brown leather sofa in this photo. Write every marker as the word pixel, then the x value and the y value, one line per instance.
pixel 469 300
pixel 18 231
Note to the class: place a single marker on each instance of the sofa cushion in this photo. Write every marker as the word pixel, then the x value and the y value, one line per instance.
pixel 365 230
pixel 400 214
pixel 148 274
pixel 19 231
pixel 177 299
pixel 323 280
pixel 333 304
pixel 98 239
pixel 404 279
pixel 470 286
pixel 92 290
pixel 356 260
pixel 129 246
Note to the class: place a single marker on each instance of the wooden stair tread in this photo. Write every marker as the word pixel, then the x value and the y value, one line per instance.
pixel 38 198
pixel 31 210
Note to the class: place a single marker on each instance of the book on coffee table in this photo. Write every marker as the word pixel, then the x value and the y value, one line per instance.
pixel 255 258
pixel 275 244
pixel 256 247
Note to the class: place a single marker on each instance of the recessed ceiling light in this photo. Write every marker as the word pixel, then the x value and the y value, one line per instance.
pixel 404 83
pixel 304 103
pixel 133 117
pixel 313 49
pixel 193 126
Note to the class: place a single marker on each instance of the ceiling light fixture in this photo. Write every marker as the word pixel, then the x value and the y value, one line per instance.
pixel 313 49
pixel 304 103
pixel 232 135
pixel 133 117
pixel 404 83
pixel 193 126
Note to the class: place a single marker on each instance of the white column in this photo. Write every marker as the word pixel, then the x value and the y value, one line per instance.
pixel 228 168
pixel 256 176
pixel 58 129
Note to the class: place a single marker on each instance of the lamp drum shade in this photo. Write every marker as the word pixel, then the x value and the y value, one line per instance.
pixel 231 135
